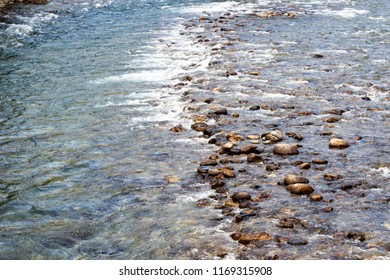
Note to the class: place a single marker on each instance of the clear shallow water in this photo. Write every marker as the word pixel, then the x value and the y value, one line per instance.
pixel 87 100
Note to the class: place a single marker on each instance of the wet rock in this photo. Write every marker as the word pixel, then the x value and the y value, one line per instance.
pixel 327 209
pixel 235 115
pixel 214 172
pixel 319 161
pixel 215 184
pixel 285 149
pixel 177 128
pixel 186 79
pixel 228 173
pixel 334 112
pixel 254 108
pixel 221 111
pixel 316 197
pixel 249 148
pixel 217 89
pixel 209 100
pixel 300 189
pixel 241 196
pixel 210 162
pixel 231 73
pixel 254 73
pixel 346 186
pixel 332 177
pixel 252 157
pixel 297 241
pixel 326 133
pixel 338 143
pixel 288 222
pixel 200 126
pixel 230 203
pixel 272 167
pixel 331 120
pixel 298 137
pixel 294 179
pixel 234 137
pixel 246 238
pixel 356 235
pixel 272 137
pixel 317 55
pixel 203 169
pixel 253 136
pixel 221 190
pixel 228 146
pixel 224 161
pixel 304 165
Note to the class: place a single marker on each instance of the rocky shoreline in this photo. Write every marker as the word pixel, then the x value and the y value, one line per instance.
pixel 4 4
pixel 282 170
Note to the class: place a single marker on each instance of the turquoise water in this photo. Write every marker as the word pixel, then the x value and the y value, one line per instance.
pixel 87 101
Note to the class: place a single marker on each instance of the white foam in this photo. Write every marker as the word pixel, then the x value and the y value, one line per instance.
pixel 209 7
pixel 345 13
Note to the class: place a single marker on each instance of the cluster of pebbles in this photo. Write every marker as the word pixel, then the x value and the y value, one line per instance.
pixel 272 179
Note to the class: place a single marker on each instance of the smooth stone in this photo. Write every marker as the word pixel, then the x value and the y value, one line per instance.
pixel 304 165
pixel 288 222
pixel 203 169
pixel 285 149
pixel 240 196
pixel 254 108
pixel 332 177
pixel 228 173
pixel 294 179
pixel 273 136
pixel 201 127
pixel 177 128
pixel 235 115
pixel 254 158
pixel 228 146
pixel 209 100
pixel 249 148
pixel 316 197
pixel 209 162
pixel 338 143
pixel 297 241
pixel 245 238
pixel 222 111
pixel 327 209
pixel 217 89
pixel 215 184
pixel 253 136
pixel 298 137
pixel 319 161
pixel 331 120
pixel 214 172
pixel 300 189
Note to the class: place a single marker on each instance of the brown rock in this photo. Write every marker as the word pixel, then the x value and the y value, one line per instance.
pixel 200 126
pixel 285 149
pixel 331 120
pixel 228 146
pixel 240 196
pixel 332 177
pixel 249 148
pixel 177 128
pixel 319 161
pixel 294 179
pixel 228 173
pixel 338 143
pixel 209 162
pixel 316 197
pixel 253 137
pixel 304 165
pixel 235 115
pixel 300 189
pixel 254 158
pixel 297 241
pixel 327 209
pixel 272 137
pixel 215 184
pixel 217 89
pixel 245 238
pixel 214 172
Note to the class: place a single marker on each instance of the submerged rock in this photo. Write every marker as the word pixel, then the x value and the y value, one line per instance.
pixel 252 157
pixel 300 189
pixel 245 238
pixel 316 197
pixel 240 196
pixel 294 179
pixel 285 149
pixel 338 143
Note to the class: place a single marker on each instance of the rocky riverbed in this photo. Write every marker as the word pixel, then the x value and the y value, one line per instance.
pixel 299 135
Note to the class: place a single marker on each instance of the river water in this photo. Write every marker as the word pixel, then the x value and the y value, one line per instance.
pixel 90 89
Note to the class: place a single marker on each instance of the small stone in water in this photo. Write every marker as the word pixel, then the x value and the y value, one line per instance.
pixel 332 177
pixel 304 165
pixel 214 172
pixel 240 196
pixel 285 149
pixel 297 241
pixel 254 158
pixel 316 197
pixel 294 179
pixel 300 189
pixel 319 161
pixel 253 136
pixel 338 143
pixel 210 162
